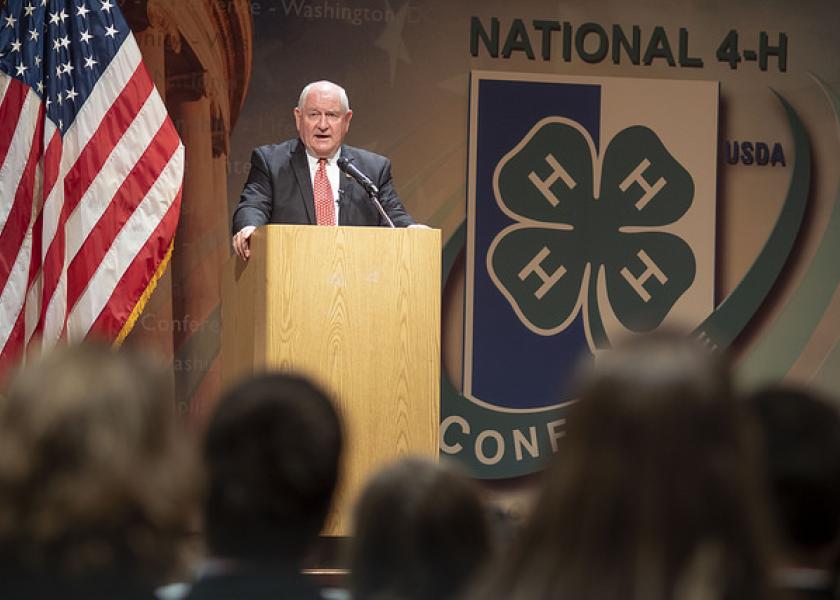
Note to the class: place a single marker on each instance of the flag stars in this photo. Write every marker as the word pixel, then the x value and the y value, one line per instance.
pixel 65 41
pixel 106 5
pixel 40 87
pixel 86 37
pixel 82 10
pixel 71 94
pixel 10 21
pixel 16 46
pixel 111 31
pixel 29 10
pixel 90 62
pixel 55 18
pixel 37 61
pixel 21 70
pixel 33 35
pixel 67 68
pixel 56 44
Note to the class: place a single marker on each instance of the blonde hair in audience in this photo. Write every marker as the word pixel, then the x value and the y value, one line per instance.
pixel 95 470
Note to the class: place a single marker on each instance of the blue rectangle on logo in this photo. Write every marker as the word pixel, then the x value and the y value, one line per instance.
pixel 509 365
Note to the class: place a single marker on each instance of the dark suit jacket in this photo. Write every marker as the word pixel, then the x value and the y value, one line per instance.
pixel 24 584
pixel 279 189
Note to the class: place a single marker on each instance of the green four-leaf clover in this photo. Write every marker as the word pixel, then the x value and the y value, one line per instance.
pixel 572 238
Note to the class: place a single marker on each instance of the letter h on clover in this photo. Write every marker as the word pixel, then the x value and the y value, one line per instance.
pixel 571 238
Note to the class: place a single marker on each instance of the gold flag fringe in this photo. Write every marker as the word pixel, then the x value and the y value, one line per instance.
pixel 144 298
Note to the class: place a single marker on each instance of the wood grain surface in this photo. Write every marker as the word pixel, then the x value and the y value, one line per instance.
pixel 358 310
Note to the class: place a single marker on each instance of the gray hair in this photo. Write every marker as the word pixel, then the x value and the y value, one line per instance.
pixel 342 94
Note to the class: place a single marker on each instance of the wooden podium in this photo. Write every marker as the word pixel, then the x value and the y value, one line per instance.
pixel 358 310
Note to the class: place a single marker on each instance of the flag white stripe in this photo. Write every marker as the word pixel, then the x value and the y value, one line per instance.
pixel 52 206
pixel 115 170
pixel 57 303
pixel 14 294
pixel 11 302
pixel 32 304
pixel 127 244
pixel 12 169
pixel 5 80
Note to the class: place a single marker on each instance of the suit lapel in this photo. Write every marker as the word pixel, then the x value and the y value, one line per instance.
pixel 345 192
pixel 301 169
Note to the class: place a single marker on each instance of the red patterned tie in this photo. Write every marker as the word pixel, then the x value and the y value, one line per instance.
pixel 324 201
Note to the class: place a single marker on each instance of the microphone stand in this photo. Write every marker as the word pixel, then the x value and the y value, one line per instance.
pixel 374 197
pixel 363 180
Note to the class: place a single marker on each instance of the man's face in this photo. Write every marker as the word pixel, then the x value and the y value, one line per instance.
pixel 321 122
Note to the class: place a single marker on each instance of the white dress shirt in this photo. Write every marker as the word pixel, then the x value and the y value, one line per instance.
pixel 333 174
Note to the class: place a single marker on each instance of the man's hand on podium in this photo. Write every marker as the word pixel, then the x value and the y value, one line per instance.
pixel 418 226
pixel 241 245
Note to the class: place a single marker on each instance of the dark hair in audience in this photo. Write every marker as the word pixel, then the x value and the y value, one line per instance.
pixel 802 457
pixel 421 533
pixel 653 495
pixel 272 455
pixel 96 473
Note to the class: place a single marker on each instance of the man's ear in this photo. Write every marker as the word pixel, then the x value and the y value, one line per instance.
pixel 298 116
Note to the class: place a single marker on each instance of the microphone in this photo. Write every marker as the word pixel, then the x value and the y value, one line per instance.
pixel 363 180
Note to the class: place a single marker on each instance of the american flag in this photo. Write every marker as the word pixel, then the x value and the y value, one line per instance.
pixel 91 171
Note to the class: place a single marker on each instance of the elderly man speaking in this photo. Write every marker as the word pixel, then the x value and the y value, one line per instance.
pixel 299 181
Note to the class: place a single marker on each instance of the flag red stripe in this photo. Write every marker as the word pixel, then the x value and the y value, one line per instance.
pixel 10 111
pixel 37 234
pixel 52 260
pixel 13 348
pixel 136 278
pixel 34 265
pixel 14 230
pixel 132 191
pixel 112 127
pixel 52 163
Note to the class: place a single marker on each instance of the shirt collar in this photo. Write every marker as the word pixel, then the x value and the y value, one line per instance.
pixel 313 160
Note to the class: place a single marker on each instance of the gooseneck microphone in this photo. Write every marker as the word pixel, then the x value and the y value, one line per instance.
pixel 363 180
pixel 345 165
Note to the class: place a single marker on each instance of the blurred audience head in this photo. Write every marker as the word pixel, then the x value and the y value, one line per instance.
pixel 653 494
pixel 802 457
pixel 96 474
pixel 272 453
pixel 421 533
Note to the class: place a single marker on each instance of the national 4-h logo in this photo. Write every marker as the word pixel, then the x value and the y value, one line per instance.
pixel 570 232
pixel 591 214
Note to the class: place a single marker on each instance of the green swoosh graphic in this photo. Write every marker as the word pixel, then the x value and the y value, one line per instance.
pixel 779 349
pixel 828 377
pixel 735 312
